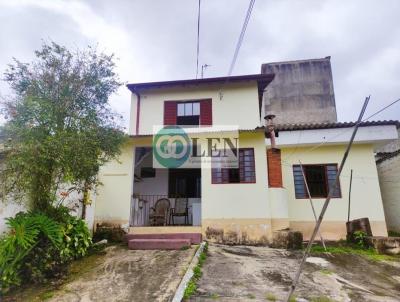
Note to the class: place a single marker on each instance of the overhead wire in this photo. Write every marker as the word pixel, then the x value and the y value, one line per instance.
pixel 198 40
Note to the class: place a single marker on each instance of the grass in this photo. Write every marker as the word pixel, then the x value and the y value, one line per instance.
pixel 197 273
pixel 251 296
pixel 270 297
pixel 369 253
pixel 321 299
pixel 326 272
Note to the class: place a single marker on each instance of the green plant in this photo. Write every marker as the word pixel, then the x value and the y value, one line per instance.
pixel 77 238
pixel 197 273
pixel 393 234
pixel 37 248
pixel 360 238
pixel 270 297
pixel 26 232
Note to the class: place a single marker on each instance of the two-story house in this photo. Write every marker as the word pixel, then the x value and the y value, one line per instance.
pixel 264 193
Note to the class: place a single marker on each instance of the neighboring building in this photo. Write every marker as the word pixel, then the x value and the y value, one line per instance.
pixel 388 163
pixel 266 192
pixel 302 91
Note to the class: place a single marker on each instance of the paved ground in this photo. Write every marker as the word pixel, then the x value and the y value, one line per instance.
pixel 264 274
pixel 120 275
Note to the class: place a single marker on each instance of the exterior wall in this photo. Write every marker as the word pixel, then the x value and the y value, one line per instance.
pixel 114 196
pixel 365 198
pixel 300 90
pixel 239 105
pixel 241 211
pixel 389 179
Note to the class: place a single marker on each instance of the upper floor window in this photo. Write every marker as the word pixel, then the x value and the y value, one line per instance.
pixel 188 113
pixel 196 112
pixel 319 179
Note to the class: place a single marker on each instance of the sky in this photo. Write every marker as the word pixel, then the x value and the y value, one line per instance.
pixel 155 40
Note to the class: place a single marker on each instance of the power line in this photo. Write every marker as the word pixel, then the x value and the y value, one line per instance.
pixel 198 40
pixel 241 36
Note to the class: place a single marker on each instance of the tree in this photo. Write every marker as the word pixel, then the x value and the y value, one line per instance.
pixel 60 127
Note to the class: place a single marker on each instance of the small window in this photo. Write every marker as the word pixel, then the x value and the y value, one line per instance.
pixel 246 173
pixel 319 179
pixel 188 113
pixel 147 172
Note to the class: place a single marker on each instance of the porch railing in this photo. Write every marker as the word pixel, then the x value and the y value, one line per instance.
pixel 141 207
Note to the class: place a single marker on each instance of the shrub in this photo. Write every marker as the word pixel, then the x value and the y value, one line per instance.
pixel 37 247
pixel 360 238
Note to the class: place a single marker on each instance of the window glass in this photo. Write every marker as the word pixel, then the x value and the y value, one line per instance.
pixel 181 109
pixel 196 108
pixel 188 109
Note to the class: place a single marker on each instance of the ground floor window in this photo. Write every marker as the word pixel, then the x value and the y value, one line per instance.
pixel 319 178
pixel 245 173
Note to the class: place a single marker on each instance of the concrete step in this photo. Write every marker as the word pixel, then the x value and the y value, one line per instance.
pixel 195 238
pixel 158 244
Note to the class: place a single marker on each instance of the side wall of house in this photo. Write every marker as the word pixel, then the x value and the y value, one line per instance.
pixel 240 211
pixel 114 196
pixel 366 198
pixel 389 179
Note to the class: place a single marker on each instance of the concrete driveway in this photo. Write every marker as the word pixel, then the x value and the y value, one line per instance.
pixel 238 273
pixel 127 275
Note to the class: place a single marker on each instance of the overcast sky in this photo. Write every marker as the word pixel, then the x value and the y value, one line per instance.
pixel 156 40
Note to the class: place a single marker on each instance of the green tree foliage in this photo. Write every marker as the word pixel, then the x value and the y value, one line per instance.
pixel 60 127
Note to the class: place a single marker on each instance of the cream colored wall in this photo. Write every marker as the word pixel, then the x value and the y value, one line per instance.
pixel 114 196
pixel 389 178
pixel 242 201
pixel 366 197
pixel 239 105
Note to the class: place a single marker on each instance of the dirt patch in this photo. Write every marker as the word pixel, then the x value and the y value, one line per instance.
pixel 124 275
pixel 237 273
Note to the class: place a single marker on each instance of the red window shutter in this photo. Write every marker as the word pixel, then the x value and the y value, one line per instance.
pixel 206 112
pixel 170 109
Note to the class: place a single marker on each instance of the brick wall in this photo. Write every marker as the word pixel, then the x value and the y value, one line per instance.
pixel 274 168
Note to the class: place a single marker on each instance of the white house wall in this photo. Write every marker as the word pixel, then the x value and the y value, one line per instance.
pixel 366 198
pixel 243 97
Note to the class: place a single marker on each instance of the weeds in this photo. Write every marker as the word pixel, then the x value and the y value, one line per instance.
pixel 270 297
pixel 192 285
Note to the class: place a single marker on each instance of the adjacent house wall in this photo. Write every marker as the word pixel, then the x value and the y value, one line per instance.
pixel 366 198
pixel 301 92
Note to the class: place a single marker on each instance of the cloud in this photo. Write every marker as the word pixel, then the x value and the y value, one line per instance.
pixel 156 40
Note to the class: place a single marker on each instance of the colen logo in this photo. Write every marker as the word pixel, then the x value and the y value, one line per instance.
pixel 171 147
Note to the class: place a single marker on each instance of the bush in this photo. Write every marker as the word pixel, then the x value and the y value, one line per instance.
pixel 360 238
pixel 37 247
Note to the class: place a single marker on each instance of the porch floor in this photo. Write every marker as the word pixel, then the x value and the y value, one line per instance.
pixel 165 229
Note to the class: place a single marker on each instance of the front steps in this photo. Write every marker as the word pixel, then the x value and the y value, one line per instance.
pixel 162 241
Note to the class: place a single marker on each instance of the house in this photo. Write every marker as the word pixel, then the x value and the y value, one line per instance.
pixel 388 163
pixel 265 192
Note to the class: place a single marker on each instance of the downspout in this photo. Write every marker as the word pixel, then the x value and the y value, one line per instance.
pixel 137 110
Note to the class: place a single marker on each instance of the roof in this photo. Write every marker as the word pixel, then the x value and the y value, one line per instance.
pixel 310 126
pixel 382 156
pixel 261 79
pixel 262 82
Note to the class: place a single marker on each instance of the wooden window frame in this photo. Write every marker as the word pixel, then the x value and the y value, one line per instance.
pixel 205 117
pixel 214 182
pixel 326 181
